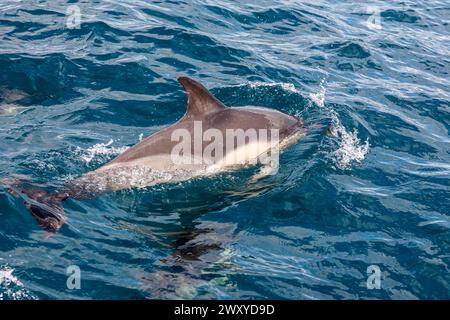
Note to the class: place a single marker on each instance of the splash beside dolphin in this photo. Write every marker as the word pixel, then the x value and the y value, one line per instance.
pixel 152 159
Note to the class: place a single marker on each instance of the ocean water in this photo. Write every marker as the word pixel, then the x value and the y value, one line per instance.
pixel 77 90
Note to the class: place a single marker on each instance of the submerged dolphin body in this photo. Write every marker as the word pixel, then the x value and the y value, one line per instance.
pixel 151 162
pixel 11 101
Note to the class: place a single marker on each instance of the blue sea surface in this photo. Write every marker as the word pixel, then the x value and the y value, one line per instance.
pixel 372 195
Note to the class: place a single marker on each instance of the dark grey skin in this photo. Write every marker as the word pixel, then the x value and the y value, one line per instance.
pixel 149 163
pixel 204 107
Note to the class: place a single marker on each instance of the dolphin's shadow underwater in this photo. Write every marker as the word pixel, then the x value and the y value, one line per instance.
pixel 196 243
pixel 150 161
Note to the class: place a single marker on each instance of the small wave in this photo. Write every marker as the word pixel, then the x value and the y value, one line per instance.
pixel 406 16
pixel 100 151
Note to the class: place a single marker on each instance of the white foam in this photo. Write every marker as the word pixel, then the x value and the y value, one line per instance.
pixel 319 97
pixel 6 277
pixel 10 286
pixel 101 149
pixel 350 148
pixel 285 86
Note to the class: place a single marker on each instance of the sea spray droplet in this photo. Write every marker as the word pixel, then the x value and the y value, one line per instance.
pixel 350 147
pixel 319 97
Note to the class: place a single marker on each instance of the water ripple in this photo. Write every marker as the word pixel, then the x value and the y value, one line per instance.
pixel 368 185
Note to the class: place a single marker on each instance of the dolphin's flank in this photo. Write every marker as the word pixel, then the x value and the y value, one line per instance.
pixel 151 161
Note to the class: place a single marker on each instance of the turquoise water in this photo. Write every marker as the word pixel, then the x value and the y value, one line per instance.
pixel 374 193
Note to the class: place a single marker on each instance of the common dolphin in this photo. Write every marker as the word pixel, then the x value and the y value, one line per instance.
pixel 151 161
pixel 11 101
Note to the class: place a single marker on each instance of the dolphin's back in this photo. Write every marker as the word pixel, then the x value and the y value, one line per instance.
pixel 243 118
pixel 206 109
pixel 204 112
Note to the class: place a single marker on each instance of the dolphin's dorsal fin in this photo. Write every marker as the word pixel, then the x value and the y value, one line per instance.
pixel 200 100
